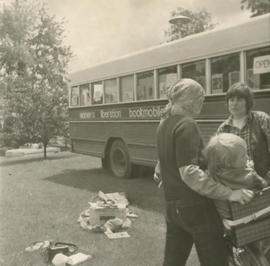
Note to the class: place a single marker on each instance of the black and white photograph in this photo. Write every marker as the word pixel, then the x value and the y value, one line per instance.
pixel 135 132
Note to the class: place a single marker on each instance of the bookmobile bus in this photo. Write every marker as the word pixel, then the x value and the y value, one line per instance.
pixel 115 107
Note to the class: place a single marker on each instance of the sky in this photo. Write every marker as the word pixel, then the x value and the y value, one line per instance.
pixel 102 30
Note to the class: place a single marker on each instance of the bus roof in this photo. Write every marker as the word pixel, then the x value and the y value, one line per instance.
pixel 253 33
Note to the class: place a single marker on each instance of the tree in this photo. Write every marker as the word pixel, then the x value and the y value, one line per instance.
pixel 200 21
pixel 34 68
pixel 257 7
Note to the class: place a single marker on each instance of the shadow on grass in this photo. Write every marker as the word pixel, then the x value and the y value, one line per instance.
pixel 141 191
pixel 6 161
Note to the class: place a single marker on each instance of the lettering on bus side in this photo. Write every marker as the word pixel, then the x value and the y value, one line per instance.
pixel 146 112
pixel 87 115
pixel 115 114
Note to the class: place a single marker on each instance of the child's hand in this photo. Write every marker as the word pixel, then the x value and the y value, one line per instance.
pixel 241 196
pixel 156 177
pixel 259 182
pixel 250 164
pixel 255 181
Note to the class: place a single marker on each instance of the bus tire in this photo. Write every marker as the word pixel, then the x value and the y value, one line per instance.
pixel 119 160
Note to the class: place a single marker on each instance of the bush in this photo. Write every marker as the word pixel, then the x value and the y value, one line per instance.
pixel 11 140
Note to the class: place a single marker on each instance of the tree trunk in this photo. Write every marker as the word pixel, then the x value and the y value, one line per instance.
pixel 45 151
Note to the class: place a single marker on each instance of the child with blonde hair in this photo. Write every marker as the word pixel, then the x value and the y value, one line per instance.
pixel 226 156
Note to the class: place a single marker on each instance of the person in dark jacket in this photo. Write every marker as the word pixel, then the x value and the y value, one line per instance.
pixel 191 215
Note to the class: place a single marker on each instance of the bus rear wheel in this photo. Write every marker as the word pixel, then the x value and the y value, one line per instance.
pixel 119 160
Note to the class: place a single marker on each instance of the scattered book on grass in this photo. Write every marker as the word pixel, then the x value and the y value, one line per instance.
pixel 61 259
pixel 117 235
pixel 78 258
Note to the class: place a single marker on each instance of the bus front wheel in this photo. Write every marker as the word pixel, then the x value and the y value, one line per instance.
pixel 119 160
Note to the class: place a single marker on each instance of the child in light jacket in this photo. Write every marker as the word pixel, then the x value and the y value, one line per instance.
pixel 226 156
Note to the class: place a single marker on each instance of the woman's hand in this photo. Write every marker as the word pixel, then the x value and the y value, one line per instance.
pixel 157 176
pixel 241 196
pixel 157 179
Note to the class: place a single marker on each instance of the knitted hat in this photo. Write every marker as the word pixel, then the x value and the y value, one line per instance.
pixel 185 90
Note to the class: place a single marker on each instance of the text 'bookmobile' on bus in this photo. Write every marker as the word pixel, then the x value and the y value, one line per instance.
pixel 115 107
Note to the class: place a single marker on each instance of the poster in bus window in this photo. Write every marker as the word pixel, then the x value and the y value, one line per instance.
pixel 98 93
pixel 74 98
pixel 217 83
pixel 261 64
pixel 85 96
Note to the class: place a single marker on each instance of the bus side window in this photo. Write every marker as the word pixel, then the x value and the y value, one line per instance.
pixel 225 70
pixel 195 70
pixel 258 77
pixel 145 85
pixel 127 88
pixel 74 96
pixel 166 78
pixel 85 95
pixel 110 91
pixel 97 93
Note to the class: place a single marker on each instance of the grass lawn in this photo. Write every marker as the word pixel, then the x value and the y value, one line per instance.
pixel 41 200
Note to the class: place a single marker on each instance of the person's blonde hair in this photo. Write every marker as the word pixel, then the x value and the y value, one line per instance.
pixel 222 150
pixel 184 96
